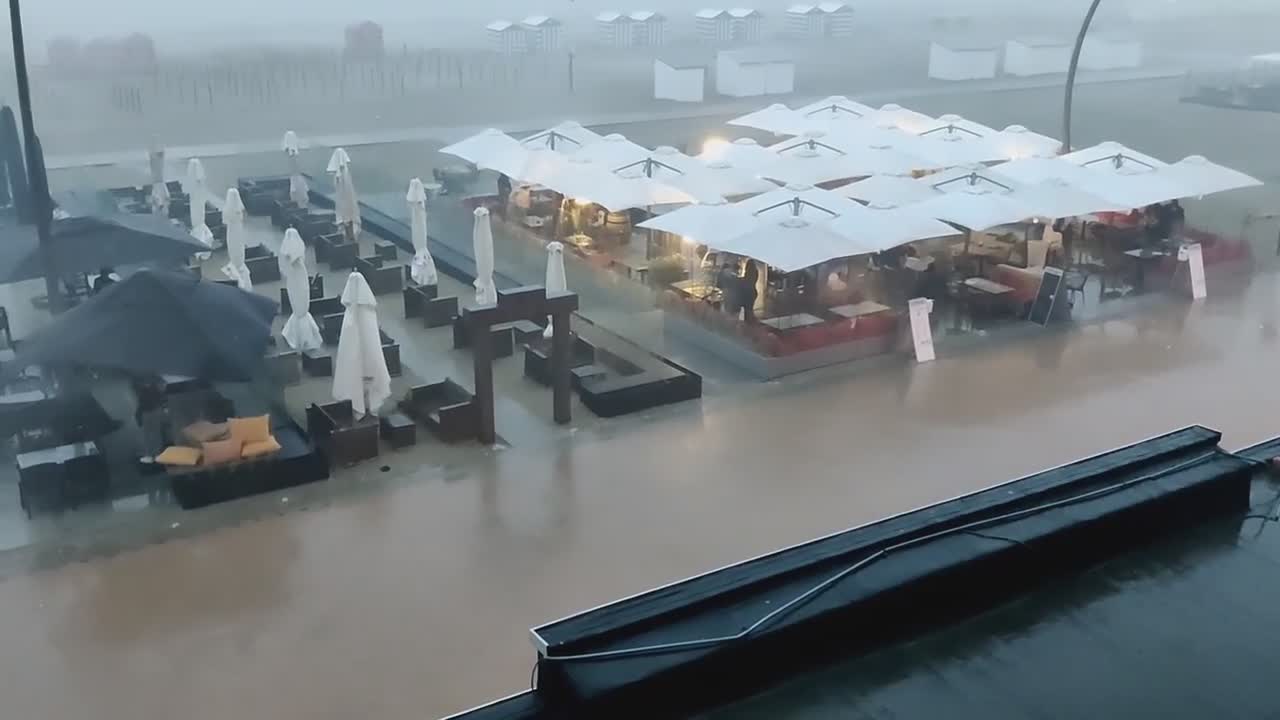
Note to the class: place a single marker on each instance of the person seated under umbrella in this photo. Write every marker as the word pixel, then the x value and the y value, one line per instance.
pixel 106 278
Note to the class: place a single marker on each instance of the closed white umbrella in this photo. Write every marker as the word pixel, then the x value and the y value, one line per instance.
pixel 482 243
pixel 160 199
pixel 233 216
pixel 299 193
pixel 556 281
pixel 198 194
pixel 346 208
pixel 300 330
pixel 360 369
pixel 423 267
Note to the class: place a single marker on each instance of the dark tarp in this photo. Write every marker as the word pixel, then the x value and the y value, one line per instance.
pixel 95 234
pixel 160 322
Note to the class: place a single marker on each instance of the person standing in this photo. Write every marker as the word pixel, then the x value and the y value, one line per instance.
pixel 750 276
pixel 504 194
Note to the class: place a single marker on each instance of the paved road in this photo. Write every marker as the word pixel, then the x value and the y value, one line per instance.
pixel 413 603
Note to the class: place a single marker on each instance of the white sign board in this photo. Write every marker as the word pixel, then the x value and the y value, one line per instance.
pixel 1193 255
pixel 921 332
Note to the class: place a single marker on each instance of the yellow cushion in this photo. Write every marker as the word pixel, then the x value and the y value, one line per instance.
pixel 178 455
pixel 222 451
pixel 251 429
pixel 258 449
pixel 203 431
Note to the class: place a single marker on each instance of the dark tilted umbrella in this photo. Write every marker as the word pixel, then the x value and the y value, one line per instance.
pixel 160 322
pixel 88 234
pixel 14 165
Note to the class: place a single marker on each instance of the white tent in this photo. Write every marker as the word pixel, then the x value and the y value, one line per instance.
pixel 233 216
pixel 423 268
pixel 300 330
pixel 556 282
pixel 346 205
pixel 299 193
pixel 744 153
pixel 359 368
pixel 482 245
pixel 888 189
pixel 567 137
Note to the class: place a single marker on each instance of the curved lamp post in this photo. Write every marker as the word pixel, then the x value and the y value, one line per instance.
pixel 1071 76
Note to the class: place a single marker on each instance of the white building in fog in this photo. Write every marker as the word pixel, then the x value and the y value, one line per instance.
pixel 821 20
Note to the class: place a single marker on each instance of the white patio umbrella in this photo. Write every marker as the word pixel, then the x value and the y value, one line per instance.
pixel 615 193
pixel 360 369
pixel 975 208
pixel 888 189
pixel 482 244
pixel 300 330
pixel 836 108
pixel 1056 198
pixel 744 153
pixel 776 118
pixel 1205 177
pixel 346 205
pixel 198 194
pixel 897 116
pixel 567 137
pixel 486 148
pixel 423 267
pixel 299 193
pixel 556 281
pixel 613 151
pixel 1113 156
pixel 233 216
pixel 1016 142
pixel 808 160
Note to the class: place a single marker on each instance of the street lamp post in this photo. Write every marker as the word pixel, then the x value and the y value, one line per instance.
pixel 1071 76
pixel 36 177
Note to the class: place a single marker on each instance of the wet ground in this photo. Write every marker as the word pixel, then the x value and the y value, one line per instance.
pixel 414 602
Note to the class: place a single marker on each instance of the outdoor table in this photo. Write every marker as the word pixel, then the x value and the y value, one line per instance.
pixel 988 294
pixel 990 287
pixel 46 480
pixel 698 290
pixel 580 241
pixel 792 322
pixel 1141 258
pixel 856 310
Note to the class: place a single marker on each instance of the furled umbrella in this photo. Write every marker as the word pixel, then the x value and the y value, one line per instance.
pixel 556 281
pixel 299 193
pixel 423 268
pixel 233 216
pixel 346 207
pixel 482 243
pixel 300 330
pixel 360 369
pixel 160 322
pixel 198 196
pixel 159 196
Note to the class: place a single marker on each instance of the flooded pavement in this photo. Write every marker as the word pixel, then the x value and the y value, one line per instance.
pixel 414 602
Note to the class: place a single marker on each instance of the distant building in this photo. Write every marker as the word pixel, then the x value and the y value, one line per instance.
pixel 640 28
pixel 363 41
pixel 823 20
pixel 541 33
pixel 506 37
pixel 681 76
pixel 754 71
pixel 735 25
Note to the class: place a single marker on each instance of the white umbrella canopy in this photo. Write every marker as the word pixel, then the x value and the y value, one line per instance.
pixel 423 267
pixel 346 205
pixel 675 169
pixel 894 224
pixel 966 178
pixel 951 149
pixel 1016 142
pixel 486 148
pixel 482 245
pixel 536 165
pixel 359 368
pixel 1056 198
pixel 197 192
pixel 1113 157
pixel 776 118
pixel 300 329
pixel 888 189
pixel 836 107
pixel 954 124
pixel 897 116
pixel 567 137
pixel 556 282
pixel 975 208
pixel 808 160
pixel 732 181
pixel 612 151
pixel 1205 177
pixel 299 192
pixel 233 216
pixel 616 193
pixel 744 153
pixel 697 222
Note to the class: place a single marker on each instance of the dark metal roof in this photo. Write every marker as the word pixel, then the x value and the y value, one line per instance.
pixel 1184 628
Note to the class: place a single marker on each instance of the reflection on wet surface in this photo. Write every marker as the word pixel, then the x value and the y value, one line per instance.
pixel 415 601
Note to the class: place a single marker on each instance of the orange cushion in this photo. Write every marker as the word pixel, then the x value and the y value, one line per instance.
pixel 222 451
pixel 258 449
pixel 179 456
pixel 251 429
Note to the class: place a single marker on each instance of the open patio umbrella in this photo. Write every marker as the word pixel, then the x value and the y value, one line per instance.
pixel 233 216
pixel 300 330
pixel 895 115
pixel 613 151
pixel 88 232
pixel 776 118
pixel 1204 177
pixel 360 369
pixel 556 281
pixel 482 243
pixel 345 205
pixel 888 189
pixel 299 192
pixel 567 137
pixel 160 322
pixel 423 267
pixel 743 153
pixel 491 149
pixel 1016 142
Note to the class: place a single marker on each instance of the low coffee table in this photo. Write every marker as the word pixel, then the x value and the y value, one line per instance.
pixel 398 429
